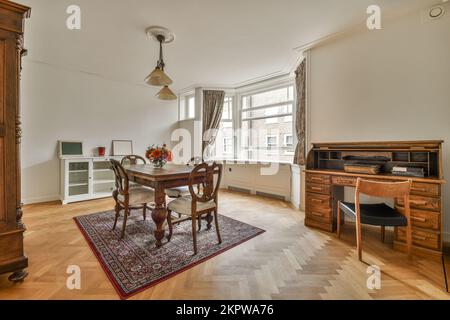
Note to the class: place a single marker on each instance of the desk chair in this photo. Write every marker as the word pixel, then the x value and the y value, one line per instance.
pixel 378 214
pixel 128 198
pixel 198 203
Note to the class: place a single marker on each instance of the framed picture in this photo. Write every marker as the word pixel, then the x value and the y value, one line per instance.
pixel 122 147
pixel 70 149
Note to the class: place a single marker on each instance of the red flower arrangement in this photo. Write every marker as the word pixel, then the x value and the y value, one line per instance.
pixel 158 155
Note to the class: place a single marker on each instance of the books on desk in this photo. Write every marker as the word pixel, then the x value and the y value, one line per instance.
pixel 408 172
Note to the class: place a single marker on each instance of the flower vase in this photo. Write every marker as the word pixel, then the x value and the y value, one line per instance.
pixel 159 163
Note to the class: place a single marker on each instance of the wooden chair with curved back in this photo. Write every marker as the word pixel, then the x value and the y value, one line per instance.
pixel 127 198
pixel 132 159
pixel 378 214
pixel 199 202
pixel 177 192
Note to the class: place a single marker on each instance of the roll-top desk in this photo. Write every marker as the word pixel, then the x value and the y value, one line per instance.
pixel 326 179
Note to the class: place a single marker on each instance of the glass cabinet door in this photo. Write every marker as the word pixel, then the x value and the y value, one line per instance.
pixel 103 178
pixel 78 180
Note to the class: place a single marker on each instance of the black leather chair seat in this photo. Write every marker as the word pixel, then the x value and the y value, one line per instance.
pixel 378 214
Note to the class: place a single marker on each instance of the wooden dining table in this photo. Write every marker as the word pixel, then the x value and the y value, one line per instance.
pixel 159 179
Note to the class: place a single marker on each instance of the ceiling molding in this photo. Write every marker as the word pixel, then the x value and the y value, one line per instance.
pixel 355 29
pixel 286 73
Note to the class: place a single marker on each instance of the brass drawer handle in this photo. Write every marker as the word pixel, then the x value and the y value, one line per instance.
pixel 418 202
pixel 418 189
pixel 317 214
pixel 317 200
pixel 419 219
pixel 316 178
pixel 345 181
pixel 316 188
pixel 419 237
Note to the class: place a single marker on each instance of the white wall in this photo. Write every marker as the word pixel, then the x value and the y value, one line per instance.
pixel 59 104
pixel 391 84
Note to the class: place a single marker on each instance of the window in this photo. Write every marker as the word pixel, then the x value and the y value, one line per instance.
pixel 191 107
pixel 224 145
pixel 288 140
pixel 227 113
pixel 227 146
pixel 266 120
pixel 271 142
pixel 187 107
pixel 271 112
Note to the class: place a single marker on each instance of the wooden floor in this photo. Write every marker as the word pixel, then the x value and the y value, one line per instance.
pixel 289 261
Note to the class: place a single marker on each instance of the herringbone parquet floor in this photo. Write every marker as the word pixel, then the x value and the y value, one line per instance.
pixel 289 261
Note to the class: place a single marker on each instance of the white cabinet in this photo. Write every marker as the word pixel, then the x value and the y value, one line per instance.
pixel 86 179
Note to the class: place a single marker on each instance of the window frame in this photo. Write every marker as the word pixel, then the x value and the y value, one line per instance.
pixel 268 146
pixel 225 145
pixel 285 138
pixel 183 108
pixel 238 118
pixel 233 139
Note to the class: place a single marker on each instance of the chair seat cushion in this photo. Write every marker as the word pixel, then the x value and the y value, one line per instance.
pixel 134 185
pixel 177 192
pixel 183 205
pixel 139 196
pixel 378 214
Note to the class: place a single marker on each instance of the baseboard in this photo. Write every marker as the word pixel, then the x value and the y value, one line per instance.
pixel 237 189
pixel 271 195
pixel 260 192
pixel 33 200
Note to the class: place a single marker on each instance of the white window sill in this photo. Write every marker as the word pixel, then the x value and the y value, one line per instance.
pixel 251 162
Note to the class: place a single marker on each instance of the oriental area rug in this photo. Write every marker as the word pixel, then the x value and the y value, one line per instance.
pixel 134 263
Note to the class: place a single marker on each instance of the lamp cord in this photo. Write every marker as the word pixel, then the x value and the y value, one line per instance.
pixel 161 63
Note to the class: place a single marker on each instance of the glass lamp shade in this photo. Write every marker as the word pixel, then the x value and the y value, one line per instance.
pixel 158 78
pixel 166 94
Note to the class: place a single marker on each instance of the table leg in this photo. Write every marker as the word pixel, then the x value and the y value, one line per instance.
pixel 159 214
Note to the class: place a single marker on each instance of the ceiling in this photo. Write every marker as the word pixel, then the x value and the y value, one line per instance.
pixel 218 42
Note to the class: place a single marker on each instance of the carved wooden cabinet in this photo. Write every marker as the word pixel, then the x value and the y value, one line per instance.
pixel 12 258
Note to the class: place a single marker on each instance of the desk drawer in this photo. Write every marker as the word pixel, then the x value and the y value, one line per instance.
pixel 319 214
pixel 423 203
pixel 318 207
pixel 318 178
pixel 318 188
pixel 421 238
pixel 424 219
pixel 344 181
pixel 319 202
pixel 425 189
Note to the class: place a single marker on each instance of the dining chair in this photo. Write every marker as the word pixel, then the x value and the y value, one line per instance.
pixel 132 159
pixel 378 214
pixel 178 192
pixel 199 202
pixel 127 198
